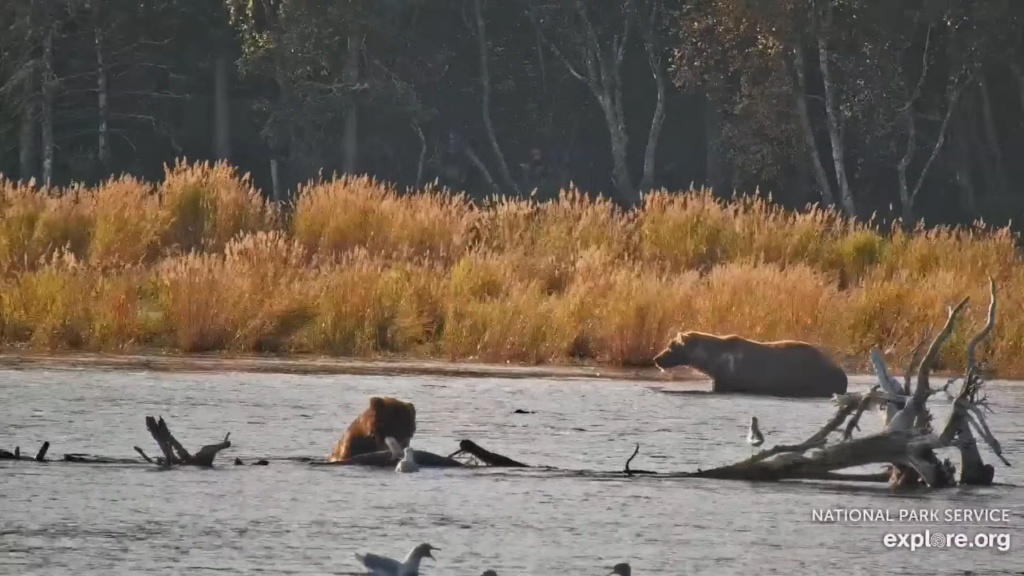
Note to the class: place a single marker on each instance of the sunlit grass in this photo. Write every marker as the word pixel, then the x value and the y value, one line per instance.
pixel 202 262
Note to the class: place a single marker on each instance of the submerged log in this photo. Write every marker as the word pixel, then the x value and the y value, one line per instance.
pixel 92 459
pixel 487 457
pixel 174 453
pixel 386 459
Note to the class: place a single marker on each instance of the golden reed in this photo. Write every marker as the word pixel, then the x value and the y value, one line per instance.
pixel 201 262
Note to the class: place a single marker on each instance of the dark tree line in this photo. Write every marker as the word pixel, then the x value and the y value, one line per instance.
pixel 861 104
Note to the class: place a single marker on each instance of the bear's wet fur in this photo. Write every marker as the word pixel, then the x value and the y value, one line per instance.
pixel 737 364
pixel 385 416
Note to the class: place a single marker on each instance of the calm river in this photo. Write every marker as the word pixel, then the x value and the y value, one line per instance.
pixel 292 518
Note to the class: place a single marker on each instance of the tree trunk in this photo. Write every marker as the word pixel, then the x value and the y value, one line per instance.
pixel 654 60
pixel 620 154
pixel 800 92
pixel 422 160
pixel 715 173
pixel 275 180
pixel 834 130
pixel 485 99
pixel 601 73
pixel 102 106
pixel 222 108
pixel 282 135
pixel 27 156
pixel 49 95
pixel 992 138
pixel 961 160
pixel 1018 74
pixel 350 76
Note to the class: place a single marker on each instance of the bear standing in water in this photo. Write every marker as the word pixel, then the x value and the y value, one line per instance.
pixel 386 416
pixel 736 364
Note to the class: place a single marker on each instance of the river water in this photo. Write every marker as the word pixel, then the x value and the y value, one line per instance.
pixel 292 518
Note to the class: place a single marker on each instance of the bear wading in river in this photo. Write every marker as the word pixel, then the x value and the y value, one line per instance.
pixel 736 364
pixel 386 416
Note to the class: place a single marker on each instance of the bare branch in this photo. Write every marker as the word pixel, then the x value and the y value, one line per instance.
pixel 943 130
pixel 923 371
pixel 914 359
pixel 986 329
pixel 865 401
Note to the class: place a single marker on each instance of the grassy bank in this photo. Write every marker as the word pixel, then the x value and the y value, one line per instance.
pixel 200 262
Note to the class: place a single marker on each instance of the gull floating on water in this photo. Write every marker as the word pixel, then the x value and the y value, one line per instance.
pixel 383 566
pixel 620 569
pixel 408 463
pixel 754 437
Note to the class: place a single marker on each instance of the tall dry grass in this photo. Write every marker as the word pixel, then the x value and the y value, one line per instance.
pixel 201 262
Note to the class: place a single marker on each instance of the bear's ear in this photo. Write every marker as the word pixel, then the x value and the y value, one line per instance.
pixel 376 402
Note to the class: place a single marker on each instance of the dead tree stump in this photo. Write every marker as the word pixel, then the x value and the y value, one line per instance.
pixel 174 453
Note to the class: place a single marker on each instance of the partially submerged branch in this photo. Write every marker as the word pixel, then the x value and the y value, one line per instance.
pixel 627 470
pixel 176 454
pixel 16 455
pixel 485 456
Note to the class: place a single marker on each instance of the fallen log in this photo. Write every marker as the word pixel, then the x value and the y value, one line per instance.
pixel 262 462
pixel 174 453
pixel 386 459
pixel 16 455
pixel 77 458
pixel 485 456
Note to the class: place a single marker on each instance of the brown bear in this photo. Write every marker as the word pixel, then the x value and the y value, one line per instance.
pixel 736 364
pixel 386 416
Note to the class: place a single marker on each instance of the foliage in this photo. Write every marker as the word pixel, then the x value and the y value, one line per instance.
pixel 361 270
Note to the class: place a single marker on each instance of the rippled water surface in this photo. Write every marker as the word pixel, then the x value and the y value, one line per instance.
pixel 292 518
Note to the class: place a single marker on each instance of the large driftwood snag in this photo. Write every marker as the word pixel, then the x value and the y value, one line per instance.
pixel 907 443
pixel 176 454
pixel 16 455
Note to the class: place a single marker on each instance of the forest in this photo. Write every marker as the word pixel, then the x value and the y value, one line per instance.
pixel 903 110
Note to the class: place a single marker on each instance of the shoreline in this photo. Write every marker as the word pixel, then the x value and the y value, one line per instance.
pixel 384 366
pixel 326 365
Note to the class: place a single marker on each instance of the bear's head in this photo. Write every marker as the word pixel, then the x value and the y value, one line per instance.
pixel 393 417
pixel 686 349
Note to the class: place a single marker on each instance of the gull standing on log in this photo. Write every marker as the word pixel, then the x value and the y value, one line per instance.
pixel 754 437
pixel 383 566
pixel 620 569
pixel 408 463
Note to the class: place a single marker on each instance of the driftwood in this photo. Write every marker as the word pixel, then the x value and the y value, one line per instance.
pixel 16 455
pixel 386 459
pixel 174 453
pixel 486 457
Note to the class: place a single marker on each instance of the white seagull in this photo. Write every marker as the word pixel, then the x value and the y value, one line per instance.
pixel 383 566
pixel 408 463
pixel 620 569
pixel 754 437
